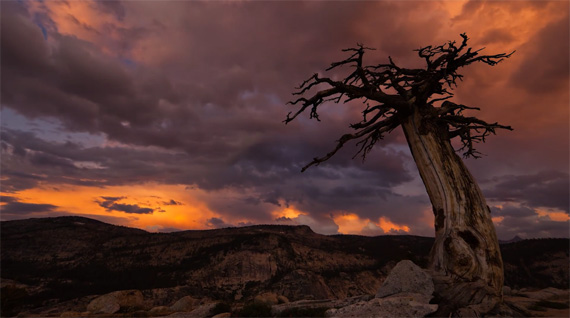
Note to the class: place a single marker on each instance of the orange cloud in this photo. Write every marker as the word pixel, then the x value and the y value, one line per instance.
pixel 174 206
pixel 82 19
pixel 289 212
pixel 387 226
pixel 558 216
pixel 350 223
pixel 497 219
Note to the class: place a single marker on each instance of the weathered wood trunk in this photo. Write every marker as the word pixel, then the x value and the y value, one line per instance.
pixel 465 258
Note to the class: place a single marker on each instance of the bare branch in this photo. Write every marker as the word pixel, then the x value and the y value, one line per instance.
pixel 448 107
pixel 372 134
pixel 471 130
pixel 414 87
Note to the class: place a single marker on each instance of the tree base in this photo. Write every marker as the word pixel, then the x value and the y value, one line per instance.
pixel 458 298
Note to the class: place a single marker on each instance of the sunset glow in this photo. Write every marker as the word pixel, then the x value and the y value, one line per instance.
pixel 171 204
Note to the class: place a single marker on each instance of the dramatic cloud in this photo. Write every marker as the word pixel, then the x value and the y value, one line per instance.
pixel 526 222
pixel 135 107
pixel 217 223
pixel 545 189
pixel 110 204
pixel 172 202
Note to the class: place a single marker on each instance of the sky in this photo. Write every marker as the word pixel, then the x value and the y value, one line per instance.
pixel 168 115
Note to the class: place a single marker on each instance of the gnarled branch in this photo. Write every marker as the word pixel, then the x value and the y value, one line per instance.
pixel 414 89
pixel 470 129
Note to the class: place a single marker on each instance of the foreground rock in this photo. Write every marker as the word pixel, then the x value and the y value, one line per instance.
pixel 406 277
pixel 549 302
pixel 201 311
pixel 399 305
pixel 300 305
pixel 125 300
pixel 186 303
pixel 267 298
pixel 406 292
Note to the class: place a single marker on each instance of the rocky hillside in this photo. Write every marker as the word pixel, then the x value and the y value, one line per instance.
pixel 45 261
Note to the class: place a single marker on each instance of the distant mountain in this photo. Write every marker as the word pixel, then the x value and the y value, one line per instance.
pixel 63 258
pixel 513 240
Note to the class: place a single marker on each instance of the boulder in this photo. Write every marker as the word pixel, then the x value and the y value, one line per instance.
pixel 266 298
pixel 406 277
pixel 507 291
pixel 159 311
pixel 128 300
pixel 201 311
pixel 282 299
pixel 186 303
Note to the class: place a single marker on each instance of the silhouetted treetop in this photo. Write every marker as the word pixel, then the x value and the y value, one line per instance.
pixel 390 94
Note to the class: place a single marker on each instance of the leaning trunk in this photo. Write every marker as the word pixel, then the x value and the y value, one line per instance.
pixel 465 258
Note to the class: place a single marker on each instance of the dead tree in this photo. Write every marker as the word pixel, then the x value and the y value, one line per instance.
pixel 465 257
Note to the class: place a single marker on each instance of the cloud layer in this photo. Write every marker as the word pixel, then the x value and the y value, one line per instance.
pixel 193 94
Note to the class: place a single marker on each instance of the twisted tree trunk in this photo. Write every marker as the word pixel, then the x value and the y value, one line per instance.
pixel 465 258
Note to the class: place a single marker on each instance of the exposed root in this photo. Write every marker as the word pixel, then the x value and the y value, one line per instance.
pixel 463 299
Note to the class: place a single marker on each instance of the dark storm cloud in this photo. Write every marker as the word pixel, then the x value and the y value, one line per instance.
pixel 172 202
pixel 8 199
pixel 129 208
pixel 15 207
pixel 110 204
pixel 72 81
pixel 217 223
pixel 50 160
pixel 91 91
pixel 544 189
pixel 112 199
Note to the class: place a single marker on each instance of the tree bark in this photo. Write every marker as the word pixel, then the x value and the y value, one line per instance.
pixel 465 258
